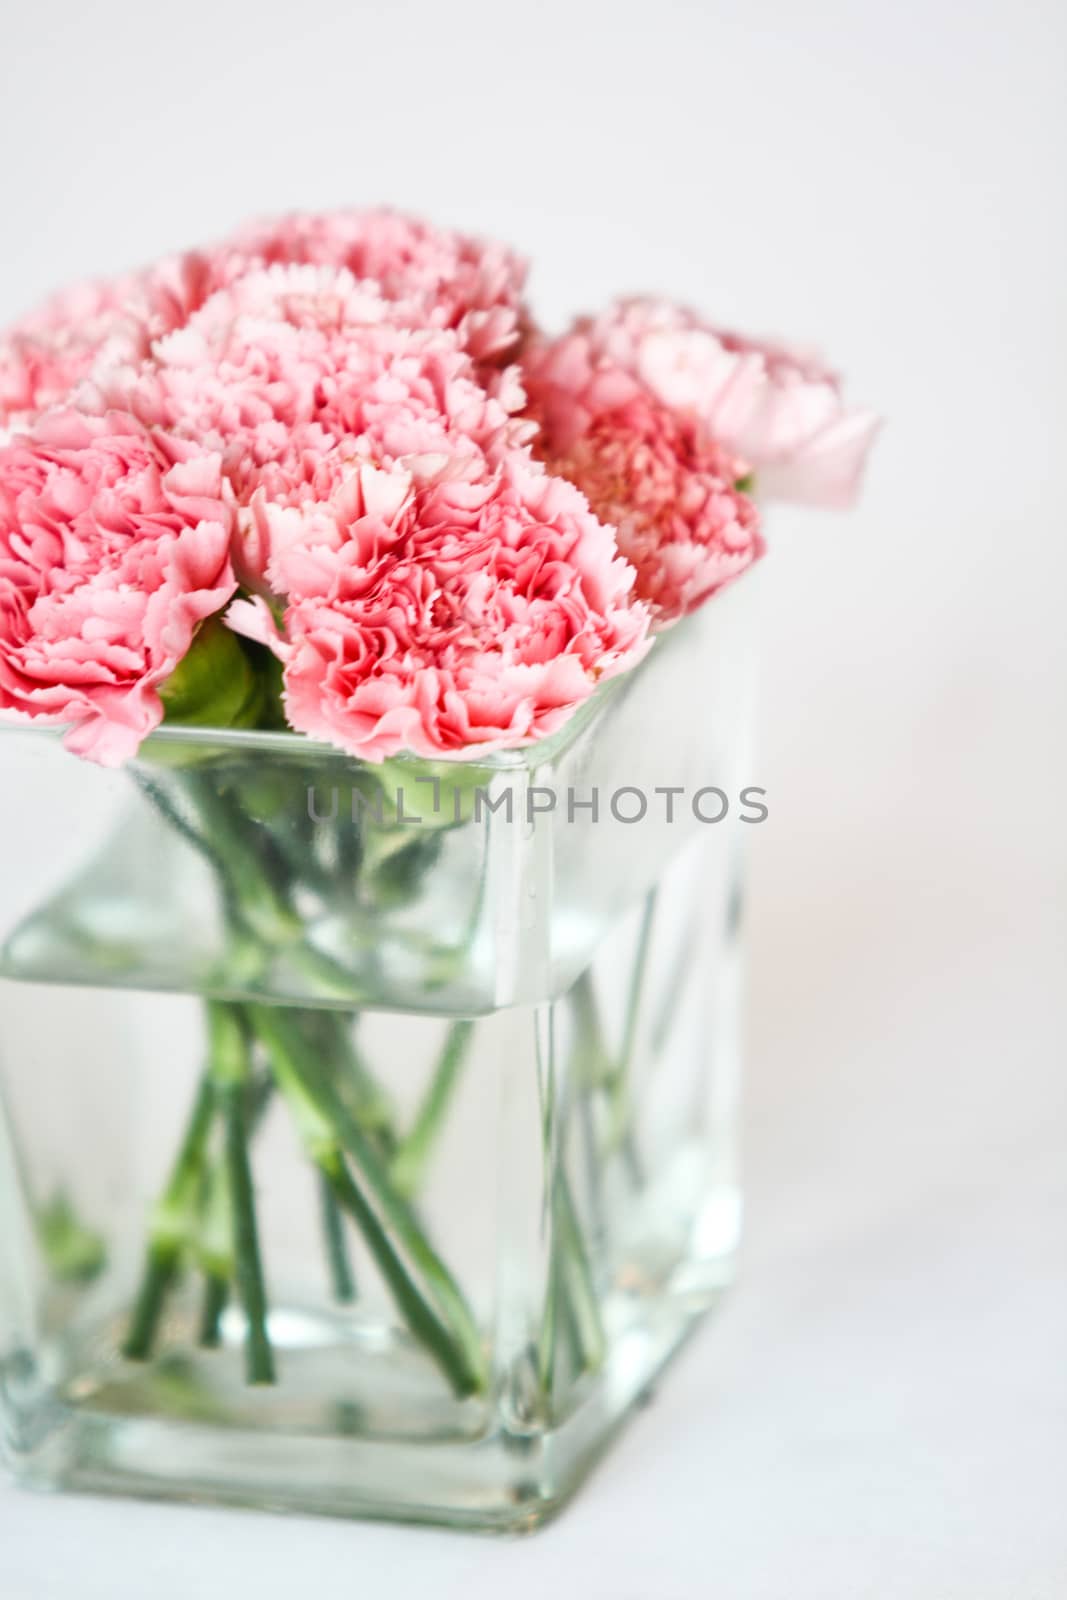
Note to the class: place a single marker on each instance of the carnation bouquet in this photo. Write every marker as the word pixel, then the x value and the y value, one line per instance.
pixel 328 484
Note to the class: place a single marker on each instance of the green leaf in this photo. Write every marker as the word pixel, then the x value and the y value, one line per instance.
pixel 216 685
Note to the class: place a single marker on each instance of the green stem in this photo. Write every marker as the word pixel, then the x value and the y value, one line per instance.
pixel 331 1034
pixel 327 1125
pixel 397 1213
pixel 592 1165
pixel 410 1160
pixel 216 1294
pixel 214 1244
pixel 255 894
pixel 170 1228
pixel 259 1359
pixel 582 1297
pixel 571 1299
pixel 591 1073
pixel 260 886
pixel 551 1316
pixel 215 1249
pixel 230 1072
pixel 342 1277
pixel 621 1134
pixel 571 1302
pixel 264 904
pixel 252 904
pixel 160 1271
pixel 419 1316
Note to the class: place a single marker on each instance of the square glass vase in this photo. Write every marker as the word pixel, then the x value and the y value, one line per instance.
pixel 368 1134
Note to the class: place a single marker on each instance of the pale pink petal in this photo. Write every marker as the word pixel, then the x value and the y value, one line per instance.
pixel 114 547
pixel 777 408
pixel 253 619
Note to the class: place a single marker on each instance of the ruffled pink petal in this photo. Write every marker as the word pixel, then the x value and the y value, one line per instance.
pixel 114 547
pixel 778 409
pixel 253 619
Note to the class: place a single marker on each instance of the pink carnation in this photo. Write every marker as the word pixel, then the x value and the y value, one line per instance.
pixel 669 490
pixel 45 356
pixel 320 409
pixel 114 545
pixel 473 285
pixel 300 376
pixel 475 616
pixel 446 279
pixel 777 408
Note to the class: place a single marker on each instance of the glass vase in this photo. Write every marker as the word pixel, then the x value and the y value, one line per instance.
pixel 368 1135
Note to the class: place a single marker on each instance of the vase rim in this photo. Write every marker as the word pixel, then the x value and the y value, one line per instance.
pixel 283 742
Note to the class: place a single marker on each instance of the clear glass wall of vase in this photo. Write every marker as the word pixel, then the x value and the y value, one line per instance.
pixel 368 1135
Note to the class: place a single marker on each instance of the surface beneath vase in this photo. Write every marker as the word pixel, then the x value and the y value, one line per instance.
pixel 189 1429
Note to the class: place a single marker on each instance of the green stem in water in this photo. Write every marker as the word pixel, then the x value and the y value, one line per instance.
pixel 396 1212
pixel 170 1229
pixel 225 831
pixel 213 1304
pixel 342 1277
pixel 410 1160
pixel 330 1033
pixel 592 1166
pixel 230 1073
pixel 255 895
pixel 551 1317
pixel 582 1299
pixel 591 1073
pixel 214 1245
pixel 621 1135
pixel 328 1127
pixel 418 1314
pixel 215 1250
pixel 571 1301
pixel 160 1271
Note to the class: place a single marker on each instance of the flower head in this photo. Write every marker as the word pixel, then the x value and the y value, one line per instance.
pixel 472 285
pixel 321 409
pixel 779 409
pixel 303 378
pixel 446 279
pixel 114 546
pixel 474 616
pixel 47 354
pixel 670 491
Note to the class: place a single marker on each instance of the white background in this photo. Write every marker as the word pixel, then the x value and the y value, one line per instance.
pixel 881 1410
